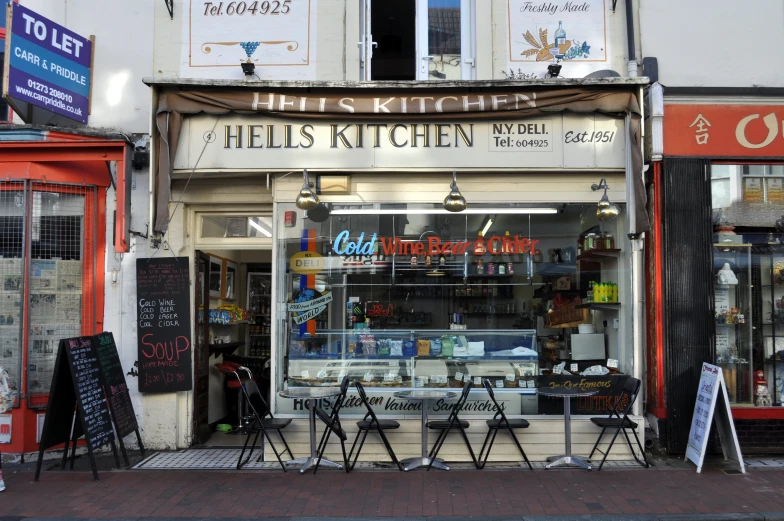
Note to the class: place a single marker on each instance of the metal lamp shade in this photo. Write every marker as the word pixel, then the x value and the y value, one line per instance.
pixel 606 211
pixel 455 202
pixel 306 199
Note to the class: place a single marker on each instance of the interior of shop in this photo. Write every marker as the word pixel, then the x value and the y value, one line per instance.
pixel 502 292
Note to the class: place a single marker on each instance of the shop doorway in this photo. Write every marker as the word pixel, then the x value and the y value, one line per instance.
pixel 201 369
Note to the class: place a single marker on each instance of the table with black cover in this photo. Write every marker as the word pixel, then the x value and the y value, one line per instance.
pixel 566 460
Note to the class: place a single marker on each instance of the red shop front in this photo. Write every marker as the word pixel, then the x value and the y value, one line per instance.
pixel 718 264
pixel 53 242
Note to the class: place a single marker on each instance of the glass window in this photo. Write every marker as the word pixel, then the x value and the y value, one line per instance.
pixel 748 265
pixel 12 211
pixel 408 295
pixel 233 226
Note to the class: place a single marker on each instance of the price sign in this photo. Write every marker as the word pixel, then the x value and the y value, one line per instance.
pixel 499 383
pixel 612 363
pixel 557 369
pixel 510 377
pixel 368 376
pixel 459 376
pixel 575 368
pixel 305 374
pixel 477 380
pixel 322 374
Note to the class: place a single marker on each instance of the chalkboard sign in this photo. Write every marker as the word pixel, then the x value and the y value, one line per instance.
pixel 608 389
pixel 77 382
pixel 116 387
pixel 163 319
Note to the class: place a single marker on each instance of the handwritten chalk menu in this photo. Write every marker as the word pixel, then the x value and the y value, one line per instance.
pixel 77 383
pixel 115 386
pixel 712 401
pixel 163 320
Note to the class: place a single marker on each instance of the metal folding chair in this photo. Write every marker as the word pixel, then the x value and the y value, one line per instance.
pixel 332 421
pixel 263 422
pixel 368 423
pixel 619 420
pixel 450 423
pixel 499 422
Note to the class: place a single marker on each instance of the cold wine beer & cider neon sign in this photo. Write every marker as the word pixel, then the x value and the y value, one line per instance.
pixel 343 245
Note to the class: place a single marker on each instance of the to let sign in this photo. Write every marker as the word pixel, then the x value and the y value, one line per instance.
pixel 724 130
pixel 46 65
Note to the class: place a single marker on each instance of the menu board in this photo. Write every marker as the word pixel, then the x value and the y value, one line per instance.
pixel 712 402
pixel 163 323
pixel 116 387
pixel 77 383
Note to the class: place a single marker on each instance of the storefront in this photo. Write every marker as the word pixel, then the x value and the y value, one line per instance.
pixel 719 223
pixel 53 238
pixel 380 283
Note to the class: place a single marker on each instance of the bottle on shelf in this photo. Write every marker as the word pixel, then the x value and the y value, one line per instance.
pixel 509 268
pixel 480 248
pixel 491 268
pixel 507 245
pixel 427 261
pixel 480 267
pixel 502 269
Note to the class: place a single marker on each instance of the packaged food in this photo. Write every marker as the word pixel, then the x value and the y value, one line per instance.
pixel 409 348
pixel 423 347
pixel 435 347
pixel 396 348
pixel 382 347
pixel 447 346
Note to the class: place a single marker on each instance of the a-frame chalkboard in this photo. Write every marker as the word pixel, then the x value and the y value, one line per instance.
pixel 77 389
pixel 116 390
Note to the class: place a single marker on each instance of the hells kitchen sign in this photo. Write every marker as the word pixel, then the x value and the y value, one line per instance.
pixel 724 130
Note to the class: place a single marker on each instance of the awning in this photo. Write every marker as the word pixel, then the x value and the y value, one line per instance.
pixel 357 103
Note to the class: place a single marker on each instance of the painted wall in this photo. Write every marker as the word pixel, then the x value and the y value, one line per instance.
pixel 722 43
pixel 123 56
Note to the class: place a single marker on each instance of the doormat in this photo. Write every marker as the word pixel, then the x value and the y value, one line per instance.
pixel 226 459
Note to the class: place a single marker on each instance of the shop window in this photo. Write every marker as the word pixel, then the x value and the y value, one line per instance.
pixel 12 211
pixel 748 265
pixel 54 226
pixel 410 296
pixel 417 40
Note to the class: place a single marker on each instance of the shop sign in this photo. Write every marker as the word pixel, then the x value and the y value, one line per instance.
pixel 308 304
pixel 47 65
pixel 556 141
pixel 307 263
pixel 344 245
pixel 724 130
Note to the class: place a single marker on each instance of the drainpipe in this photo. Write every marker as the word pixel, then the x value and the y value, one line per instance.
pixel 632 66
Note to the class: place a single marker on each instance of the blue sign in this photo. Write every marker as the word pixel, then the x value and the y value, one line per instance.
pixel 48 65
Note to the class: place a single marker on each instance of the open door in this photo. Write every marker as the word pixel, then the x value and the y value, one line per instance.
pixel 201 352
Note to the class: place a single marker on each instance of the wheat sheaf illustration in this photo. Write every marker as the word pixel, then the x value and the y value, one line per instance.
pixel 542 49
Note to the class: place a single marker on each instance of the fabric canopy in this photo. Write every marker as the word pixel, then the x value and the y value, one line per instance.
pixel 371 103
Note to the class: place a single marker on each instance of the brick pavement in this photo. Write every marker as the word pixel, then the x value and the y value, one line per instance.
pixel 386 493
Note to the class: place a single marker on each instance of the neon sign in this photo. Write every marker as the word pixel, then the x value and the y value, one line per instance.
pixel 343 245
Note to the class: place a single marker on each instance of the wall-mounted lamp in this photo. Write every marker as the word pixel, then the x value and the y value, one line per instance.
pixel 605 210
pixel 455 202
pixel 306 200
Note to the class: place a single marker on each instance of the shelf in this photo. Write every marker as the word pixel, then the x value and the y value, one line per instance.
pixel 482 297
pixel 599 305
pixel 485 276
pixel 731 245
pixel 597 254
pixel 225 349
pixel 481 314
pixel 226 325
pixel 728 325
pixel 550 268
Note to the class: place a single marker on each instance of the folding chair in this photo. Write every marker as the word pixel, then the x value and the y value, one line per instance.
pixel 263 421
pixel 621 422
pixel 499 422
pixel 368 423
pixel 450 423
pixel 332 421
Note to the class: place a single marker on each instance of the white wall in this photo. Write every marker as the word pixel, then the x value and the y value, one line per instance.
pixel 123 55
pixel 720 43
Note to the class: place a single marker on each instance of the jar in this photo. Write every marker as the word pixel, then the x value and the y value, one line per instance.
pixel 480 268
pixel 590 242
pixel 509 268
pixel 600 241
pixel 609 242
pixel 502 269
pixel 413 260
pixel 491 268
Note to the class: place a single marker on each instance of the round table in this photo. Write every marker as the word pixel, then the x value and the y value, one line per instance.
pixel 424 396
pixel 567 460
pixel 311 393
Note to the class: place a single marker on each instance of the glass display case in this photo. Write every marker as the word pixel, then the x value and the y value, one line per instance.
pixel 388 358
pixel 770 258
pixel 733 316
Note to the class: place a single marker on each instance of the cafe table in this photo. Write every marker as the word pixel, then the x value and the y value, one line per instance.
pixel 424 396
pixel 312 394
pixel 566 460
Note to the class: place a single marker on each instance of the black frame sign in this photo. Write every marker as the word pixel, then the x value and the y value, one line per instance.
pixel 77 383
pixel 163 313
pixel 608 389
